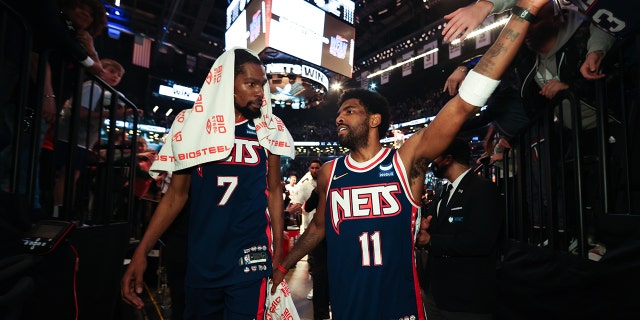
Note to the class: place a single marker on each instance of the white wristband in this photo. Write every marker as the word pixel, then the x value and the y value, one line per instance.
pixel 88 62
pixel 477 88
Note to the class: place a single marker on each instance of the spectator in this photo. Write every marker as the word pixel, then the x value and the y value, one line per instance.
pixel 60 30
pixel 463 240
pixel 464 20
pixel 91 114
pixel 289 188
pixel 141 184
pixel 304 188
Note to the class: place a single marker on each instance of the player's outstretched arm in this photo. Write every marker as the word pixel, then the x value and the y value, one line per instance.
pixel 473 93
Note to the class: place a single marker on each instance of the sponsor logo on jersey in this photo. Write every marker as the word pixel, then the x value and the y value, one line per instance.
pixel 254 258
pixel 364 202
pixel 386 171
pixel 340 176
pixel 251 129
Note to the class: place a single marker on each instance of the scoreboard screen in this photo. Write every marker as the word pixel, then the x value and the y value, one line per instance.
pixel 295 27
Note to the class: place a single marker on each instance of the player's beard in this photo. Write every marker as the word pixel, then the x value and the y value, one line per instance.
pixel 249 112
pixel 357 136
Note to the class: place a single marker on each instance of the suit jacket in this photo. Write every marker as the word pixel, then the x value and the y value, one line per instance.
pixel 465 236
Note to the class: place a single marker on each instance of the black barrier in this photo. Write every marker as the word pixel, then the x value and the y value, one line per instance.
pixel 101 252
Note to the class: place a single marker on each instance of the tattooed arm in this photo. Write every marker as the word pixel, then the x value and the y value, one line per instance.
pixel 428 143
pixel 501 53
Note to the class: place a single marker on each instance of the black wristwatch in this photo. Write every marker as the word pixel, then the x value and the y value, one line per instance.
pixel 523 14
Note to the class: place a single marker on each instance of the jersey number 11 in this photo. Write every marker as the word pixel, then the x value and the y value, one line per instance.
pixel 373 239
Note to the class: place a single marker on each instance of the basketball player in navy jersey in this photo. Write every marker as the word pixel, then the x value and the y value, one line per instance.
pixel 229 256
pixel 371 197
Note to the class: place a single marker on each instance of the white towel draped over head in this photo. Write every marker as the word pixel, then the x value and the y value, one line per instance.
pixel 206 132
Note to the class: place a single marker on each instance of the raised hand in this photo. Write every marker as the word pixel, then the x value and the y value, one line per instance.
pixel 455 79
pixel 462 21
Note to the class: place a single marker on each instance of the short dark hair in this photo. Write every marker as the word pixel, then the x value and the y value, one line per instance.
pixel 460 151
pixel 315 161
pixel 243 56
pixel 374 103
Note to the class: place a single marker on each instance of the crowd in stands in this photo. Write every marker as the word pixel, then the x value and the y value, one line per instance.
pixel 420 106
pixel 308 125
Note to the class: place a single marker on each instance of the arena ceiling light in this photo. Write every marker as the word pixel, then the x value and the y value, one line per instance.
pixel 486 28
pixel 399 64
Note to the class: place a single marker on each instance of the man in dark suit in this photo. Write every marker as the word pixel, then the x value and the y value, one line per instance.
pixel 463 240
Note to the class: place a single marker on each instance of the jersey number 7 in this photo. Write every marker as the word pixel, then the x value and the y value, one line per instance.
pixel 231 183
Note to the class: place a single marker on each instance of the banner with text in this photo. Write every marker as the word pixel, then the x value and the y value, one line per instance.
pixel 484 39
pixel 407 67
pixel 430 60
pixel 384 77
pixel 364 81
pixel 455 50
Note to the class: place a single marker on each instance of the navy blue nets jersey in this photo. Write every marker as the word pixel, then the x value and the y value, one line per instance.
pixel 229 229
pixel 370 230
